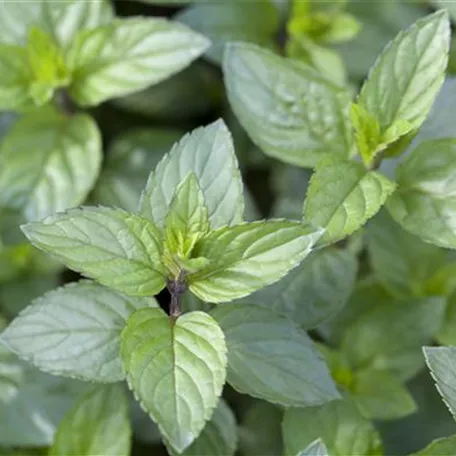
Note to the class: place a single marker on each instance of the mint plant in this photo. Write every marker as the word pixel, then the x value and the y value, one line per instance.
pixel 223 232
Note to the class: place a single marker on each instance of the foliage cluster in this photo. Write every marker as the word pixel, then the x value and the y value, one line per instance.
pixel 230 230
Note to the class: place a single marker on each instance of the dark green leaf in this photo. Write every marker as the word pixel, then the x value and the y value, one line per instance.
pixel 265 364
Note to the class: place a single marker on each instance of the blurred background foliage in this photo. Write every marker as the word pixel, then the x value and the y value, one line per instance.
pixel 384 280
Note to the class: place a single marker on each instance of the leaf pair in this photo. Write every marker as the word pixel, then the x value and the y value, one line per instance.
pixel 402 85
pixel 76 331
pixel 136 254
pixel 176 370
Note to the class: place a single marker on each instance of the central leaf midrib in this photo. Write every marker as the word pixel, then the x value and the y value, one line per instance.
pixel 346 197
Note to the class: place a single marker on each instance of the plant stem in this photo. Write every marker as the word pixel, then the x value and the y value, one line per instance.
pixel 64 102
pixel 177 288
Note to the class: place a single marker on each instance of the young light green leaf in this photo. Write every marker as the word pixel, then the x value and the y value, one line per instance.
pixel 402 262
pixel 97 424
pixel 249 256
pixel 381 396
pixel 118 249
pixel 262 363
pixel 289 110
pixel 425 203
pixel 127 165
pixel 317 448
pixel 219 436
pixel 314 291
pixel 11 374
pixel 342 196
pixel 256 22
pixel 47 66
pixel 127 55
pixel 367 128
pixel 187 220
pixel 75 331
pixel 442 364
pixel 183 363
pixel 15 78
pixel 337 423
pixel 440 447
pixel 384 336
pixel 207 152
pixel 62 169
pixel 32 416
pixel 407 76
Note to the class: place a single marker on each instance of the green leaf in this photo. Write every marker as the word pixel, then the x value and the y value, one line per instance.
pixel 47 65
pixel 63 20
pixel 314 291
pixel 399 260
pixel 75 331
pixel 442 364
pixel 389 332
pixel 187 220
pixel 221 22
pixel 62 169
pixel 116 248
pixel 381 396
pixel 219 436
pixel 443 281
pixel 327 61
pixel 407 76
pixel 317 448
pixel 440 447
pixel 11 374
pixel 198 87
pixel 128 55
pixel 207 152
pixel 289 110
pixel 424 203
pixel 367 290
pixel 15 77
pixel 260 431
pixel 326 24
pixel 249 256
pixel 368 137
pixel 265 364
pixel 183 361
pixel 31 418
pixel 342 196
pixel 128 163
pixel 337 423
pixel 97 424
